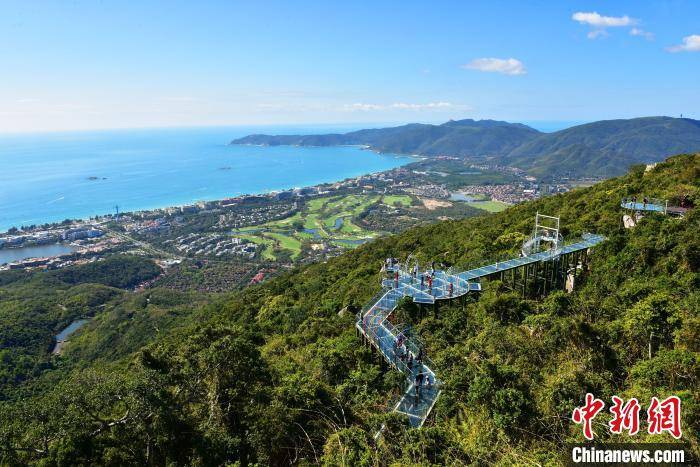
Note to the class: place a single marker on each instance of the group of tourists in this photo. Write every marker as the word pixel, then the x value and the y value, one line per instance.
pixel 633 200
pixel 404 355
pixel 407 359
pixel 390 263
pixel 426 279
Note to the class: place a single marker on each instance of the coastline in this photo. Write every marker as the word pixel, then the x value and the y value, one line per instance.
pixel 168 170
pixel 267 192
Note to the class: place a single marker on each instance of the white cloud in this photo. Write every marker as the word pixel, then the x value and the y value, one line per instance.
pixel 507 66
pixel 642 33
pixel 690 44
pixel 600 23
pixel 365 107
pixel 428 106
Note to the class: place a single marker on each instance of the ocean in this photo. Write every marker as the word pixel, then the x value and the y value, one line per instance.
pixel 50 177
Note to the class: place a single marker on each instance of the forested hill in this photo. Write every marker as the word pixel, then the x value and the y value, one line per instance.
pixel 605 148
pixel 276 375
pixel 608 147
pixel 458 138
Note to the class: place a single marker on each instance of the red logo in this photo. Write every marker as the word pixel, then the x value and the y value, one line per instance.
pixel 665 416
pixel 662 416
pixel 585 415
pixel 625 417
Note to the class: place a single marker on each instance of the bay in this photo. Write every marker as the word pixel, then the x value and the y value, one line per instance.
pixel 50 177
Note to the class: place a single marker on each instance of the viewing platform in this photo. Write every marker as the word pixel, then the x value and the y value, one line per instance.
pixel 654 205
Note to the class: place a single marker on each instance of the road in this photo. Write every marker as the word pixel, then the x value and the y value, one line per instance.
pixel 145 246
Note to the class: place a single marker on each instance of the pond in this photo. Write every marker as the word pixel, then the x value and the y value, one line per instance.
pixel 313 232
pixel 458 196
pixel 353 242
pixel 62 337
pixel 10 255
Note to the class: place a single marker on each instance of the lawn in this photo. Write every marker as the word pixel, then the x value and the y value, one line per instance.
pixel 490 206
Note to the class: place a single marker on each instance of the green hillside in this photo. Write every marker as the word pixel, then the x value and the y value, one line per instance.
pixel 606 148
pixel 275 374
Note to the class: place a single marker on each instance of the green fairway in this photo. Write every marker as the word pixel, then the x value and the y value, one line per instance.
pixel 263 241
pixel 397 200
pixel 287 242
pixel 320 220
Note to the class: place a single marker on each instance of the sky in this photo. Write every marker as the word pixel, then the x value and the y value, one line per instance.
pixel 67 65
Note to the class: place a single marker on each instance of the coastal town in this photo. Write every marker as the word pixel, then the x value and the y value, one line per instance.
pixel 284 227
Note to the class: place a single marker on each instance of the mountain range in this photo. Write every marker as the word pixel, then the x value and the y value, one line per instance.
pixel 605 148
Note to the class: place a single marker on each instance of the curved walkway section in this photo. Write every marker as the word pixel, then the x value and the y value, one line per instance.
pixel 401 351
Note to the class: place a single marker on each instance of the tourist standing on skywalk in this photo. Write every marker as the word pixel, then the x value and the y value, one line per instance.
pixel 419 383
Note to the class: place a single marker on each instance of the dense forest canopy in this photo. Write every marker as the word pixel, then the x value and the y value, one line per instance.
pixel 275 374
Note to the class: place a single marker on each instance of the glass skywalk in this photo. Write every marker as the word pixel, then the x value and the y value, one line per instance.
pixel 402 351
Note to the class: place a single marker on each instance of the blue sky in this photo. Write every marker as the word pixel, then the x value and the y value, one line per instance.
pixel 105 64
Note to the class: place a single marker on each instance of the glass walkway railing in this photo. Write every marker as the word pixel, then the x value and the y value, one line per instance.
pixel 655 205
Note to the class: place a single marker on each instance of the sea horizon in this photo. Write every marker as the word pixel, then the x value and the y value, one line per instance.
pixel 544 126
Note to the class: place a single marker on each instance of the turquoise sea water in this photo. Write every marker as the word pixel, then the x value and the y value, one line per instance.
pixel 53 176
